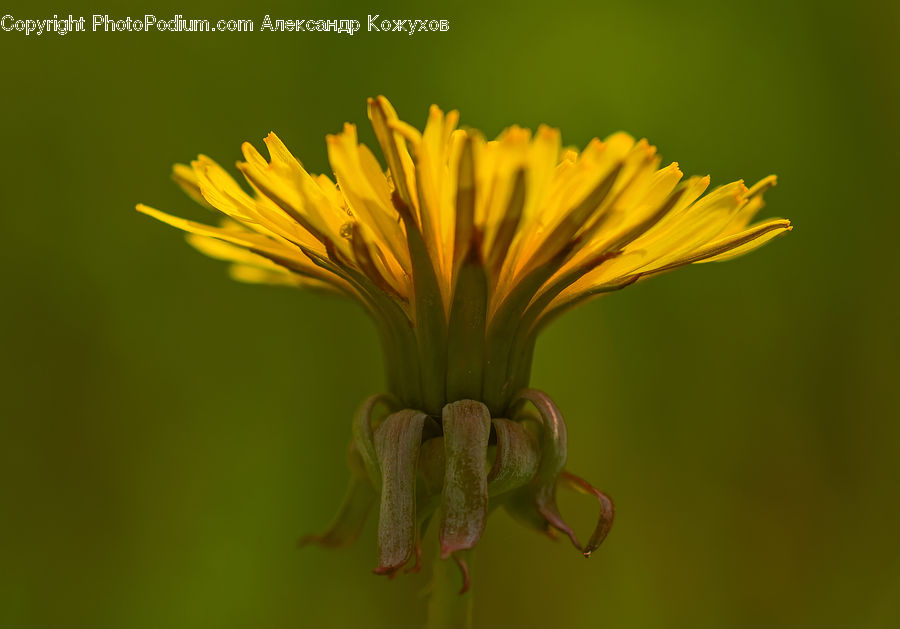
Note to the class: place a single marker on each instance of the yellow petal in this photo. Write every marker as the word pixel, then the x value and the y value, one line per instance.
pixel 738 244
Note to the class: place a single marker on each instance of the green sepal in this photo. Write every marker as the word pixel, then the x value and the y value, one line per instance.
pixel 525 336
pixel 431 481
pixel 516 460
pixel 397 443
pixel 391 319
pixel 464 507
pixel 607 511
pixel 351 517
pixel 501 334
pixel 396 328
pixel 519 504
pixel 464 227
pixel 539 315
pixel 553 461
pixel 466 334
pixel 429 318
pixel 431 466
pixel 363 437
pixel 509 223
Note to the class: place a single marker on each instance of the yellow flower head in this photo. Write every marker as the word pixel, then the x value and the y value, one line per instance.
pixel 464 248
pixel 462 251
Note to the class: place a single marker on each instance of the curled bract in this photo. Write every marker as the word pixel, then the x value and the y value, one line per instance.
pixel 456 469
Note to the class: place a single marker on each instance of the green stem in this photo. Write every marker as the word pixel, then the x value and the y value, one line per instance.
pixel 447 608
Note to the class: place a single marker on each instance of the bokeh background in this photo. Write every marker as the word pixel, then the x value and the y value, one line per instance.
pixel 167 433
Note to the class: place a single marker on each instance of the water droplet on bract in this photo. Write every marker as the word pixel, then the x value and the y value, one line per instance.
pixel 347 230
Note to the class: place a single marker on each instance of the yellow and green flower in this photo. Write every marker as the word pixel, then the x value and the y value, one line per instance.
pixel 462 251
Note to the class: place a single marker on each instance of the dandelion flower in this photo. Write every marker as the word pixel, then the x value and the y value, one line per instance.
pixel 462 251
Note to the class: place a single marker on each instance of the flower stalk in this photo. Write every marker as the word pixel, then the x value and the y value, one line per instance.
pixel 447 608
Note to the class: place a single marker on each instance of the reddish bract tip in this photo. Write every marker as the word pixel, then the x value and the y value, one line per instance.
pixel 464 569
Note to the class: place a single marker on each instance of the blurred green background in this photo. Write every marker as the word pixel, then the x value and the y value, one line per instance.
pixel 167 433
